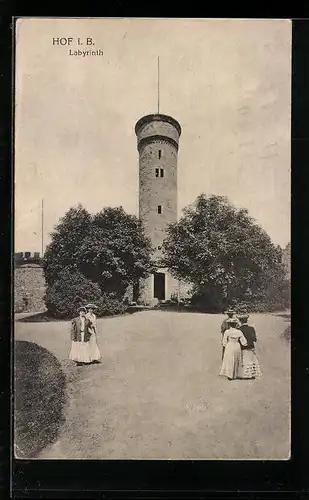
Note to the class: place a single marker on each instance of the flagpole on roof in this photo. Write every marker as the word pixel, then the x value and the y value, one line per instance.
pixel 158 85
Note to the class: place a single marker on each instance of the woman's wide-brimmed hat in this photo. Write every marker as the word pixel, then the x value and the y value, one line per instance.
pixel 91 306
pixel 231 320
pixel 82 308
pixel 229 311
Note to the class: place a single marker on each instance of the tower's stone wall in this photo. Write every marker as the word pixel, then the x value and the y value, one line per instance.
pixel 173 287
pixel 157 143
pixel 157 191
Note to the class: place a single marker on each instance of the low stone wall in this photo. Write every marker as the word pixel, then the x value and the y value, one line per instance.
pixel 29 288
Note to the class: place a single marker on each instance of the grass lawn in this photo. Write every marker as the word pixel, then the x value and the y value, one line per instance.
pixel 157 393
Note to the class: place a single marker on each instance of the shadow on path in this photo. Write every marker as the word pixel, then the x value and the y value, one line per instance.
pixel 42 317
pixel 45 317
pixel 40 397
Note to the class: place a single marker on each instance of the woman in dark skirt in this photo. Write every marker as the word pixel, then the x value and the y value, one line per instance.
pixel 250 365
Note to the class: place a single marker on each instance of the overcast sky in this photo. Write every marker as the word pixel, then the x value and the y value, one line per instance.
pixel 226 81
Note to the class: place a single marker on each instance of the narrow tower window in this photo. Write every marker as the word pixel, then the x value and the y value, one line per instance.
pixel 160 154
pixel 159 209
pixel 161 172
pixel 157 172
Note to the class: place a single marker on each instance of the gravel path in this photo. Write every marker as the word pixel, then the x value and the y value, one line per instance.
pixel 157 393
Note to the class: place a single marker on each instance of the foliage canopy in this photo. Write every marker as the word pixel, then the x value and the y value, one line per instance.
pixel 225 255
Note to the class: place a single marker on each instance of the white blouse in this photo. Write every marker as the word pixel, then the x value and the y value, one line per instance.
pixel 233 335
pixel 93 320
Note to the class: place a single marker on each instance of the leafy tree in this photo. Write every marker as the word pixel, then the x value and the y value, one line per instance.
pixel 67 237
pixel 115 252
pixel 222 252
pixel 109 249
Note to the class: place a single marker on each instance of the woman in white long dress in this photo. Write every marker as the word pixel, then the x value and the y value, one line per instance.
pixel 232 340
pixel 94 351
pixel 80 337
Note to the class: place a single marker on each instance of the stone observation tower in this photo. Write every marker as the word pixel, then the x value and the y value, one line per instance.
pixel 157 144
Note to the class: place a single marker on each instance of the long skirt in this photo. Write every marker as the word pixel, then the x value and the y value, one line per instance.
pixel 250 365
pixel 80 352
pixel 94 351
pixel 231 364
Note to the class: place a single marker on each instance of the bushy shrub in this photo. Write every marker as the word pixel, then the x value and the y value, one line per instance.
pixel 265 300
pixel 275 296
pixel 110 304
pixel 72 290
pixel 209 299
pixel 174 298
pixel 268 305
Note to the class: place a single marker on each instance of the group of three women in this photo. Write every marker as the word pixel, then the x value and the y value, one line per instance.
pixel 238 358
